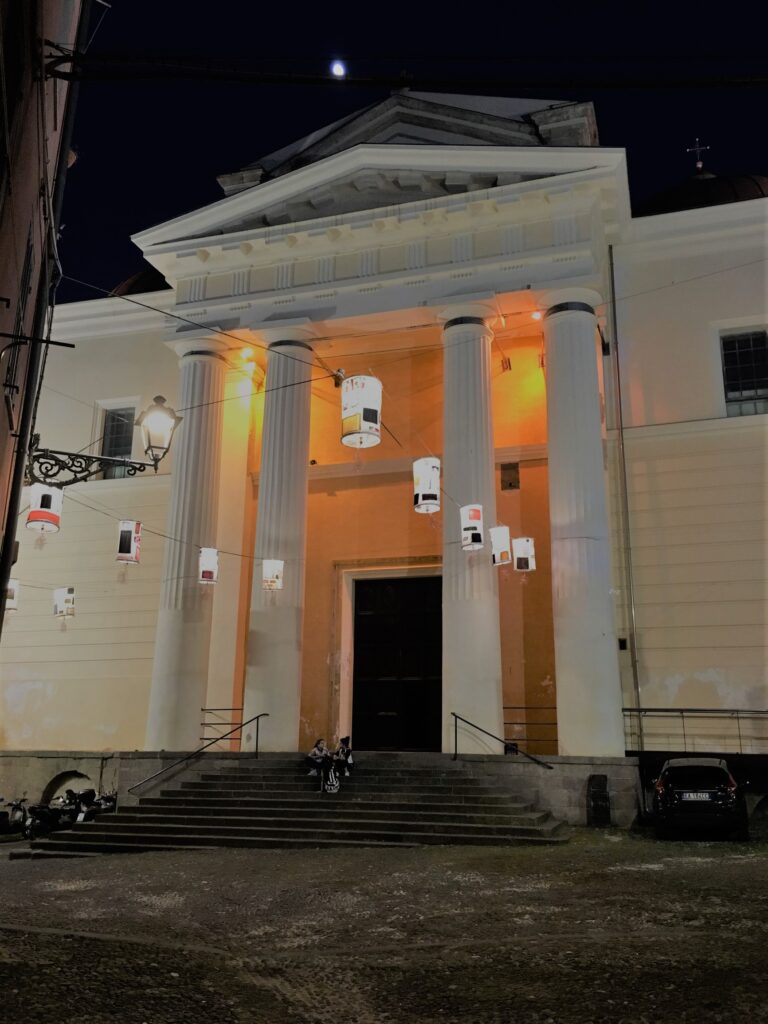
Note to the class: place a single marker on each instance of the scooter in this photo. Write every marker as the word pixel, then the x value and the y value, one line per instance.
pixel 13 817
pixel 60 813
pixel 92 806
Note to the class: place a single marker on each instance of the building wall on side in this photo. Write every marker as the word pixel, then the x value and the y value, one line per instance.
pixel 696 479
pixel 83 682
pixel 23 197
pixel 699 532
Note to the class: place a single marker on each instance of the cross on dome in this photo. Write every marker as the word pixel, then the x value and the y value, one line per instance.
pixel 698 149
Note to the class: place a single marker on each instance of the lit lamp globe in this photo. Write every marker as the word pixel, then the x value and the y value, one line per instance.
pixel 157 422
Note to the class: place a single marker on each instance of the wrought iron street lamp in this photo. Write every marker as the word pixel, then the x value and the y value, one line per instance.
pixel 60 469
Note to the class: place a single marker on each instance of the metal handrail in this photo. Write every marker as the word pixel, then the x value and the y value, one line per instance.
pixel 737 714
pixel 181 760
pixel 509 748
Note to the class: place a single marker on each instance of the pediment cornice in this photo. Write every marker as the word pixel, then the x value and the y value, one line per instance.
pixel 407 174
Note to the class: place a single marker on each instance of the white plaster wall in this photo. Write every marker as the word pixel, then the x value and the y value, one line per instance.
pixel 697 481
pixel 680 280
pixel 83 683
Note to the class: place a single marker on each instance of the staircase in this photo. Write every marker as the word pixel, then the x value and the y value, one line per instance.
pixel 389 800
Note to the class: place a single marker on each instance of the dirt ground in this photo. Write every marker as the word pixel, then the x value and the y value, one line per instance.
pixel 614 926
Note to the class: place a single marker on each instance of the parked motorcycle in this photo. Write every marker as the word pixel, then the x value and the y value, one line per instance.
pixel 92 806
pixel 60 813
pixel 63 811
pixel 12 816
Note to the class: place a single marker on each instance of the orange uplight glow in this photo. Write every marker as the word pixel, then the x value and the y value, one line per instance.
pixel 246 354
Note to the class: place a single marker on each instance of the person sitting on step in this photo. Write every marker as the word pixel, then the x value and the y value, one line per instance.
pixel 343 756
pixel 319 759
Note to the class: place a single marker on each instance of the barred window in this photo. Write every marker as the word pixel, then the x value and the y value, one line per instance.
pixel 117 441
pixel 745 372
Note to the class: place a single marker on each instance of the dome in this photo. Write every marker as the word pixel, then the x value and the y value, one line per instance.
pixel 705 189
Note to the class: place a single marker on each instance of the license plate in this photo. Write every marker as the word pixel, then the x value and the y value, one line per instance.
pixel 695 796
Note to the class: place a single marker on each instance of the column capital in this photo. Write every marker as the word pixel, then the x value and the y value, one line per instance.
pixel 563 300
pixel 205 342
pixel 299 331
pixel 480 312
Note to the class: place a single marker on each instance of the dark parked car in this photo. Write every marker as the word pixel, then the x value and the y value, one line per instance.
pixel 699 792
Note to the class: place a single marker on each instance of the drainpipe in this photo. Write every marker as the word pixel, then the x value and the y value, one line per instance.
pixel 624 495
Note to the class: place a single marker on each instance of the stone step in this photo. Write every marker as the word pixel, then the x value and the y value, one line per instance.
pixel 348 823
pixel 240 774
pixel 307 782
pixel 279 809
pixel 344 794
pixel 195 838
pixel 64 841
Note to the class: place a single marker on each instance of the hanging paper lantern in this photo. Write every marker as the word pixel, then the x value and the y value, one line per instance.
pixel 209 565
pixel 272 574
pixel 44 508
pixel 426 485
pixel 12 596
pixel 361 412
pixel 500 545
pixel 64 602
pixel 523 554
pixel 129 542
pixel 471 527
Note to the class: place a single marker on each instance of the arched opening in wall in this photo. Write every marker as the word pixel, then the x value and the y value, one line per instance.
pixel 60 783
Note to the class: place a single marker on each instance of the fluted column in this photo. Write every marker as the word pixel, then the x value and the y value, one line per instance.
pixel 471 636
pixel 180 669
pixel 589 718
pixel 273 671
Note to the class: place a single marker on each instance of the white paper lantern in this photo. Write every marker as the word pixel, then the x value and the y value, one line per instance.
pixel 64 602
pixel 361 411
pixel 209 565
pixel 12 596
pixel 272 574
pixel 523 554
pixel 44 508
pixel 501 547
pixel 426 485
pixel 472 527
pixel 129 542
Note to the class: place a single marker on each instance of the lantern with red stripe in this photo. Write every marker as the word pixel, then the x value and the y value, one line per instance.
pixel 12 596
pixel 64 602
pixel 272 574
pixel 129 542
pixel 44 508
pixel 523 554
pixel 501 547
pixel 426 485
pixel 472 527
pixel 209 565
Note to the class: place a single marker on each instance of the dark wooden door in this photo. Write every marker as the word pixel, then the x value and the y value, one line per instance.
pixel 397 683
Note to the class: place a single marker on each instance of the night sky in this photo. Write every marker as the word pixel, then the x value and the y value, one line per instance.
pixel 151 150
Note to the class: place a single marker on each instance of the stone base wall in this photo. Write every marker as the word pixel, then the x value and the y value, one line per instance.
pixel 562 790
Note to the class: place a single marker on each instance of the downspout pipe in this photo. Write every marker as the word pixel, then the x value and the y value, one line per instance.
pixel 624 497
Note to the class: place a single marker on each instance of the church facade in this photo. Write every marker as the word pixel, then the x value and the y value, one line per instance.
pixel 593 381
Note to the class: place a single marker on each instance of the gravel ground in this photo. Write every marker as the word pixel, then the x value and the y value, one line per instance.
pixel 613 927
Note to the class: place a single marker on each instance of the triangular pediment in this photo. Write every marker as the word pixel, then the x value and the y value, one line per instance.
pixel 376 177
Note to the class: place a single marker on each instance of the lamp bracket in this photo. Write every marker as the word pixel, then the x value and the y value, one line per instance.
pixel 60 469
